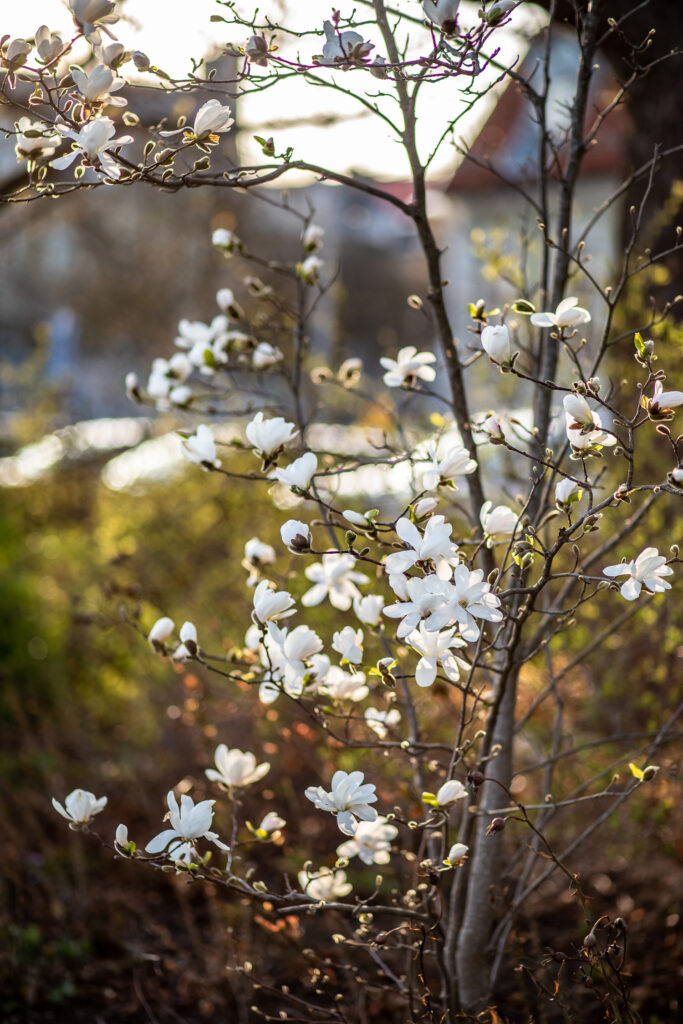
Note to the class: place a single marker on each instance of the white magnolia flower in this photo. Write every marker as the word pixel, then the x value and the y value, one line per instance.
pixel 567 314
pixel 235 768
pixel 160 631
pixel 296 535
pixel 212 118
pixel 299 473
pixel 435 545
pixel 469 599
pixel 188 642
pixel 420 597
pixel 441 469
pixel 495 340
pixel 498 523
pixel 442 13
pixel 35 139
pixel 81 806
pixel 94 142
pixel 450 792
pixel 663 402
pixel 290 651
pixel 583 438
pixel 167 374
pixel 566 492
pixel 349 643
pixel 113 55
pixel 98 85
pixel 492 428
pixel 225 240
pixel 270 604
pixel 368 608
pixel 313 238
pixel 409 366
pixel 343 47
pixel 271 823
pixel 646 571
pixel 206 342
pixel 341 685
pixel 269 435
pixel 189 821
pixel 89 14
pixel 457 854
pixel 371 842
pixel 13 54
pixel 335 577
pixel 436 647
pixel 576 407
pixel 381 721
pixel 257 553
pixel 200 447
pixel 48 44
pixel 324 885
pixel 349 799
pixel 265 355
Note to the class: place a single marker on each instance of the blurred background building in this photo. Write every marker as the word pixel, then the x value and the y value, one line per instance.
pixel 93 286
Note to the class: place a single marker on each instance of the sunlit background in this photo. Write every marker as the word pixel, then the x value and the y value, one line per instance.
pixel 357 140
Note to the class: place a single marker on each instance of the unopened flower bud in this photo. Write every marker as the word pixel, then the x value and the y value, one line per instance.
pixel 495 340
pixel 133 387
pixel 141 60
pixel 495 14
pixel 497 825
pixel 223 239
pixel 378 68
pixel 296 535
pixel 256 50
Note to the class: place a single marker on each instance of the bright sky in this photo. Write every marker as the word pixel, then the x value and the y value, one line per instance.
pixel 172 31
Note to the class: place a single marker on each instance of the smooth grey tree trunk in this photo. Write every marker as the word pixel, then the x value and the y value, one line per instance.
pixel 473 962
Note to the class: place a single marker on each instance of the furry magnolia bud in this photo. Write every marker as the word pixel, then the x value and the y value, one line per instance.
pixel 497 825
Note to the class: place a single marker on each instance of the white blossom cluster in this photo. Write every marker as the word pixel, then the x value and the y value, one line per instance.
pixel 424 593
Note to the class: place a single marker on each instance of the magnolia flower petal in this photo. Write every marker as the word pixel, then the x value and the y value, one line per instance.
pixel 630 590
pixel 160 842
pixel 543 320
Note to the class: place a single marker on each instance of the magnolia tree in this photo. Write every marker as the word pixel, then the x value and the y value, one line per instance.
pixel 443 589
